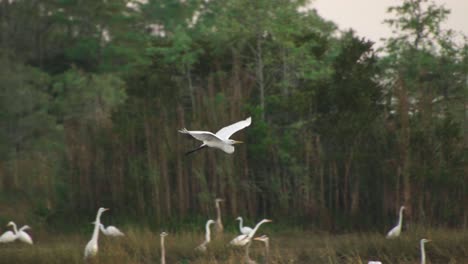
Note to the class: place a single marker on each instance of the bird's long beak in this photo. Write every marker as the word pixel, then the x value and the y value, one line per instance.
pixel 106 209
pixel 429 240
pixel 238 142
pixel 268 220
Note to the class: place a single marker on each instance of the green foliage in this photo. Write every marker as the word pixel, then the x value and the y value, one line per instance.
pixel 93 92
pixel 24 105
pixel 87 96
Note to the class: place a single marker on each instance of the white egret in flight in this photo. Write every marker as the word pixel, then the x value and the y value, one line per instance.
pixel 23 236
pixel 9 236
pixel 219 224
pixel 163 250
pixel 219 140
pixel 396 231
pixel 423 252
pixel 202 246
pixel 266 240
pixel 243 240
pixel 91 248
pixel 245 230
pixel 111 231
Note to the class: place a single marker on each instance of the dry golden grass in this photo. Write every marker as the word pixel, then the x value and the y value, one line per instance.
pixel 142 246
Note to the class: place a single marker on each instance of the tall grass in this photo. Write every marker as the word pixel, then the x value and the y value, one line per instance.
pixel 142 246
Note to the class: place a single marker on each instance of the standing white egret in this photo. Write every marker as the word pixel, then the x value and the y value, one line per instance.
pixel 219 140
pixel 396 231
pixel 423 252
pixel 219 223
pixel 163 250
pixel 91 248
pixel 374 262
pixel 243 240
pixel 111 231
pixel 9 236
pixel 245 230
pixel 202 246
pixel 265 240
pixel 23 236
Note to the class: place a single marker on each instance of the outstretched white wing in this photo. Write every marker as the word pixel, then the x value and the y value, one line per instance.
pixel 201 135
pixel 240 240
pixel 114 231
pixel 226 132
pixel 24 237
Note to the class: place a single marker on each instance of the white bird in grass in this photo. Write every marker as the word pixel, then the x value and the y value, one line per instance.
pixel 9 236
pixel 396 231
pixel 23 236
pixel 219 223
pixel 243 240
pixel 91 248
pixel 111 231
pixel 245 230
pixel 163 250
pixel 423 252
pixel 219 140
pixel 202 246
pixel 265 240
pixel 374 262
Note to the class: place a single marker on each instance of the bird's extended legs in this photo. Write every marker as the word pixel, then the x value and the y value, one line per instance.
pixel 192 151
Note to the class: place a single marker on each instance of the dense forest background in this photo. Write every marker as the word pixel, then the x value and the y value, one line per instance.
pixel 92 93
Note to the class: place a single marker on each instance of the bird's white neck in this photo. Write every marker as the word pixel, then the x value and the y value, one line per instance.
pixel 251 234
pixel 267 251
pixel 247 253
pixel 163 255
pixel 208 232
pixel 218 213
pixel 400 219
pixel 97 225
pixel 240 224
pixel 103 230
pixel 423 254
pixel 15 229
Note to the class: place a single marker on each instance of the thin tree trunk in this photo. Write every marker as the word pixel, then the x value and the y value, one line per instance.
pixel 188 76
pixel 150 159
pixel 260 76
pixel 182 190
pixel 404 142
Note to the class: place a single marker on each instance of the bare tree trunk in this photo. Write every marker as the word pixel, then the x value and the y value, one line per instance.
pixel 188 75
pixel 4 23
pixel 465 137
pixel 165 181
pixel 260 76
pixel 151 159
pixel 404 142
pixel 355 197
pixel 181 189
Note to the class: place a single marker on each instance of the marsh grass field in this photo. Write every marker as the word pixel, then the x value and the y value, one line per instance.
pixel 143 246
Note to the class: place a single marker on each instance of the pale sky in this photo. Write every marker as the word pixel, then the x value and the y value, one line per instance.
pixel 366 16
